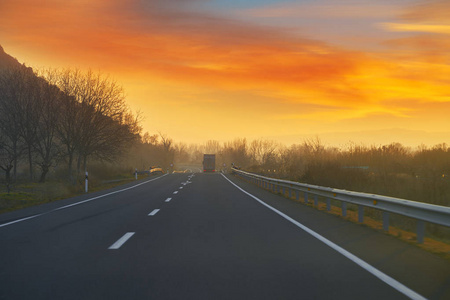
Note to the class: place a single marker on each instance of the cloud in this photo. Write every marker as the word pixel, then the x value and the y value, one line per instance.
pixel 424 44
pixel 423 17
pixel 434 10
pixel 404 27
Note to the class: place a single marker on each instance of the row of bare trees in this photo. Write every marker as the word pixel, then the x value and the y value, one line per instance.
pixel 61 115
pixel 421 174
pixel 153 150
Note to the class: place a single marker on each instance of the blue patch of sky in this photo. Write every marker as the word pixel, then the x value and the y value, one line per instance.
pixel 351 31
pixel 235 4
pixel 348 31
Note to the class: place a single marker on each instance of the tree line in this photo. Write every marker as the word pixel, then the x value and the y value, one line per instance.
pixel 420 174
pixel 54 116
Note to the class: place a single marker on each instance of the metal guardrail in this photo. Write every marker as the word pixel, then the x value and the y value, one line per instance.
pixel 422 212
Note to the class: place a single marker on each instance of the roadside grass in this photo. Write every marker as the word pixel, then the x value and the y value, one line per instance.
pixel 30 194
pixel 435 241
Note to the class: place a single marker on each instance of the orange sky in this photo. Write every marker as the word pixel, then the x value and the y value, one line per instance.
pixel 213 70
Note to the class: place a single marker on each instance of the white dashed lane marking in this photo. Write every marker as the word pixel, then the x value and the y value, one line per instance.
pixel 121 241
pixel 154 212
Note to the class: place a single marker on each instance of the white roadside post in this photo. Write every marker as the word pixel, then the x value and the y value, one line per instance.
pixel 86 182
pixel 135 174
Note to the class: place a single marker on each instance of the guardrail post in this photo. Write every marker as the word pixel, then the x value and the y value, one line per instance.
pixel 344 208
pixel 305 197
pixel 316 200
pixel 385 221
pixel 297 195
pixel 290 193
pixel 360 213
pixel 420 231
pixel 328 204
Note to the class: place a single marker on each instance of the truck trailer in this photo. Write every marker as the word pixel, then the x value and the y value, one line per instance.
pixel 209 162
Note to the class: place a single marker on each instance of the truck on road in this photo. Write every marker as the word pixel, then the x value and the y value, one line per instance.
pixel 209 162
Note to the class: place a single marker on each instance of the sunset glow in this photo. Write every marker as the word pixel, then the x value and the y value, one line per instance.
pixel 201 70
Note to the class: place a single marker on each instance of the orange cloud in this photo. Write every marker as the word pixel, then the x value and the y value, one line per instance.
pixel 403 27
pixel 170 41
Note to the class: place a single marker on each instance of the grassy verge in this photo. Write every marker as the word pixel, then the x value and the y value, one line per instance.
pixel 30 194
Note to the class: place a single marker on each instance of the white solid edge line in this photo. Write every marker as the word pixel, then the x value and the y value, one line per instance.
pixel 154 212
pixel 81 202
pixel 121 241
pixel 20 220
pixel 380 275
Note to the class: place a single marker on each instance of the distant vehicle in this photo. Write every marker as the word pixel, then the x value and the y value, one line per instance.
pixel 209 162
pixel 156 170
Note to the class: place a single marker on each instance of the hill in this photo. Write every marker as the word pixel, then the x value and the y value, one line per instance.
pixel 7 60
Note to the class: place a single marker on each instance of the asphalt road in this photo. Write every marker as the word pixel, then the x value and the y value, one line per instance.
pixel 200 236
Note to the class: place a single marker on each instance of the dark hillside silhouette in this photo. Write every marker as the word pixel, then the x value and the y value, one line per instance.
pixel 7 61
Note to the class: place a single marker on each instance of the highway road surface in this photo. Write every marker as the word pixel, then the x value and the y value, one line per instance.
pixel 204 236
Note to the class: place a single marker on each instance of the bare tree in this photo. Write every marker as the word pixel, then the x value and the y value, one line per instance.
pixel 150 139
pixel 236 152
pixel 263 152
pixel 167 145
pixel 47 145
pixel 11 141
pixel 181 153
pixel 68 129
pixel 96 120
pixel 29 106
pixel 212 147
